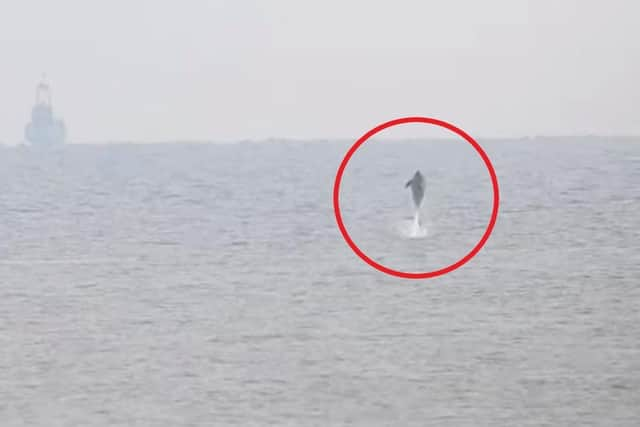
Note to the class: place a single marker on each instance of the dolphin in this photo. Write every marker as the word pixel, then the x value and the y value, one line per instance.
pixel 417 184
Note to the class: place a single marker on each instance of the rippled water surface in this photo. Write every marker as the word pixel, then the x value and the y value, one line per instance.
pixel 181 284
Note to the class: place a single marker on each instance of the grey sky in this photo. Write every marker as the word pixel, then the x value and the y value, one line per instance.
pixel 166 70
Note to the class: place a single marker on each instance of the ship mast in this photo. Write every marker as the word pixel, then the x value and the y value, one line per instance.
pixel 43 92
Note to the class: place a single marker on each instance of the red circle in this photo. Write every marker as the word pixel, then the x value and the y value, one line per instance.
pixel 428 274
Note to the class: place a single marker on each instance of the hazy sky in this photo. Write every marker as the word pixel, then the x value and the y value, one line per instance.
pixel 166 70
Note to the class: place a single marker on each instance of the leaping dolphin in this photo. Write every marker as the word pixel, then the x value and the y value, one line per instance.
pixel 417 184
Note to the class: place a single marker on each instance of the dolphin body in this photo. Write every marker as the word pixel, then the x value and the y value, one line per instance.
pixel 417 184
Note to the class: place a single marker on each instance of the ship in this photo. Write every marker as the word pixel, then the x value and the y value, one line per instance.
pixel 44 129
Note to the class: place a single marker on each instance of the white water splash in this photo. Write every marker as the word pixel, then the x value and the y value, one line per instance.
pixel 413 228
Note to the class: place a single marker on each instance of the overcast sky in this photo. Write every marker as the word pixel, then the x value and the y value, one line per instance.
pixel 220 70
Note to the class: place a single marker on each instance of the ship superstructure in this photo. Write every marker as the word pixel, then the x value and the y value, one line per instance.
pixel 44 128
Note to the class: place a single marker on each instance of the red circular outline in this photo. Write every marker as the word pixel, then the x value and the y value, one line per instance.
pixel 428 274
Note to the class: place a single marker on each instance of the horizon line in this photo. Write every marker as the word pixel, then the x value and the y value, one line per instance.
pixel 330 139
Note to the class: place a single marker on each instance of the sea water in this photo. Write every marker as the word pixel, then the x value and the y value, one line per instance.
pixel 187 284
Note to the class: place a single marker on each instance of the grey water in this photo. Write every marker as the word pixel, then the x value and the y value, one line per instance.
pixel 208 284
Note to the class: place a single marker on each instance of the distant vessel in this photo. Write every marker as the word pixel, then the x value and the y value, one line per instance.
pixel 44 129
